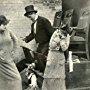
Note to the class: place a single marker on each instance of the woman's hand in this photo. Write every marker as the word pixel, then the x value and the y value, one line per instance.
pixel 64 42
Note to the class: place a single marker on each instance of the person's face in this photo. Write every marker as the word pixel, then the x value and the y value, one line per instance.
pixel 32 16
pixel 2 27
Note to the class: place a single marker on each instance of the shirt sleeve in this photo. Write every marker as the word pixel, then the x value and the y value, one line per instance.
pixel 14 38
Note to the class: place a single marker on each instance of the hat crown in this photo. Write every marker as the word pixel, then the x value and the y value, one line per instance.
pixel 29 8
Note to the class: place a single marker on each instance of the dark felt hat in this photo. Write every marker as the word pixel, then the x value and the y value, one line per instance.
pixel 3 20
pixel 29 9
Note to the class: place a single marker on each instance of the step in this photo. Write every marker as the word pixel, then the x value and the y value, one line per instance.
pixel 82 88
pixel 77 42
pixel 78 52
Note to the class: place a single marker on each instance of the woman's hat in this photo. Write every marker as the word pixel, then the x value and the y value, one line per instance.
pixel 29 9
pixel 3 20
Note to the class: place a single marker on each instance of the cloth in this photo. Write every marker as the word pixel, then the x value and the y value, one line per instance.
pixel 55 65
pixel 54 84
pixel 58 40
pixel 35 27
pixel 35 23
pixel 9 76
pixel 54 75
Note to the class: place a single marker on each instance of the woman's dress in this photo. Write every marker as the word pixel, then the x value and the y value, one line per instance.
pixel 54 75
pixel 9 76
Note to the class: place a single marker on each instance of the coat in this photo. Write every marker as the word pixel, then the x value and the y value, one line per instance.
pixel 43 34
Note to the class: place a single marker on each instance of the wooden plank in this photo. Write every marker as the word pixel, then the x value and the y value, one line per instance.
pixel 78 52
pixel 77 42
pixel 81 62
pixel 82 88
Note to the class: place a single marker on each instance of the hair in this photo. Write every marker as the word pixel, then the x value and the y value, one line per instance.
pixel 3 20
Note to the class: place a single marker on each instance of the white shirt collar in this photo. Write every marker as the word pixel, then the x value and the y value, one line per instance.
pixel 36 17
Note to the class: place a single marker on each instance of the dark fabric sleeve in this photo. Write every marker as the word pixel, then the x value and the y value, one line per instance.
pixel 29 38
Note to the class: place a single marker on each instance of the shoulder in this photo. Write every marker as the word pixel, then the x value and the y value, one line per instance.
pixel 43 19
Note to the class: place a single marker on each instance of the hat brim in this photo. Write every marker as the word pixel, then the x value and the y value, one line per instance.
pixel 27 13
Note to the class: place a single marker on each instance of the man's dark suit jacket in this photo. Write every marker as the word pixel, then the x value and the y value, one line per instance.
pixel 43 34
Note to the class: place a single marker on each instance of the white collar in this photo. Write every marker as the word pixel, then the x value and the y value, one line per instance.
pixel 36 17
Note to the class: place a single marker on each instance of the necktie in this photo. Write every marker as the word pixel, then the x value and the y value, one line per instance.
pixel 32 27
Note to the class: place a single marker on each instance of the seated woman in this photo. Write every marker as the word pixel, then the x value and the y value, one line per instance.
pixel 9 76
pixel 54 75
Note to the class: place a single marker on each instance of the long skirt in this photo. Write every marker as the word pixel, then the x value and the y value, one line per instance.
pixel 10 78
pixel 54 75
pixel 53 84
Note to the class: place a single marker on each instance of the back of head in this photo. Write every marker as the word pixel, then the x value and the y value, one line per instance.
pixel 3 20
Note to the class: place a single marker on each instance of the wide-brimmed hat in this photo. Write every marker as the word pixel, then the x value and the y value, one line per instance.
pixel 29 9
pixel 3 20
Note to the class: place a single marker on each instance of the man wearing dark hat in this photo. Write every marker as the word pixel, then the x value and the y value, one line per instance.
pixel 41 29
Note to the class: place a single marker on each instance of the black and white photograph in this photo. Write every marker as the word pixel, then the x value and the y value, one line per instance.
pixel 44 44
